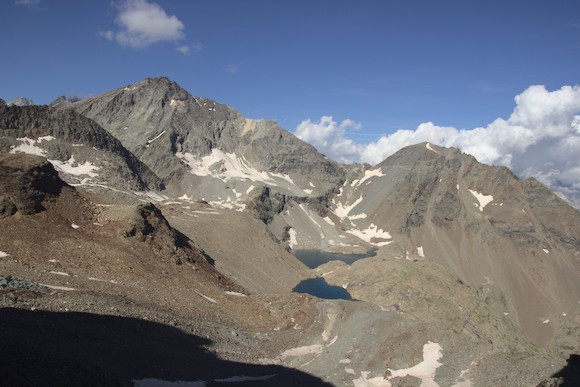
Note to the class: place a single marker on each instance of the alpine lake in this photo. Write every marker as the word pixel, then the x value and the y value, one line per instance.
pixel 318 286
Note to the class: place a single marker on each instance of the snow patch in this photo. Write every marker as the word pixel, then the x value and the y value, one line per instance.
pixel 342 211
pixel 428 146
pixel 3 254
pixel 29 147
pixel 227 166
pixel 153 196
pixel 207 298
pixel 357 216
pixel 420 252
pixel 60 273
pixel 483 200
pixel 235 294
pixel 72 167
pixel 75 226
pixel 372 232
pixel 546 251
pixel 156 137
pixel 368 174
pixel 53 287
pixel 425 370
pixel 301 351
pixel 293 240
pixel 328 220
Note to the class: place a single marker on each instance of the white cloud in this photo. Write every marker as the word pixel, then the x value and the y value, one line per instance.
pixel 188 49
pixel 541 138
pixel 143 24
pixel 329 138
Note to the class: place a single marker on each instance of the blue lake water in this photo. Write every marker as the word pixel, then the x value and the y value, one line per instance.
pixel 315 258
pixel 320 288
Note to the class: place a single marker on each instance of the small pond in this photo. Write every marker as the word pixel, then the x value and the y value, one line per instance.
pixel 318 287
pixel 315 258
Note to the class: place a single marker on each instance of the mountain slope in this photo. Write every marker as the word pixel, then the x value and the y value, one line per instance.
pixel 473 266
pixel 513 241
pixel 182 138
pixel 77 146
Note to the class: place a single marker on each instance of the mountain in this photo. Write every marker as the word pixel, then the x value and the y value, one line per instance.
pixel 63 101
pixel 473 278
pixel 21 101
pixel 511 240
pixel 424 202
pixel 115 277
pixel 77 146
pixel 203 148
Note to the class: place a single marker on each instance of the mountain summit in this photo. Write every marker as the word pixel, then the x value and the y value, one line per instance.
pixel 182 137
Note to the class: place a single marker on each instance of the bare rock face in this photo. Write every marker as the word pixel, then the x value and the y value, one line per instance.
pixel 180 137
pixel 25 183
pixel 77 146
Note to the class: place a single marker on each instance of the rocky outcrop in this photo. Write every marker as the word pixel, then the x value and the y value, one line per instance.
pixel 25 183
pixel 63 135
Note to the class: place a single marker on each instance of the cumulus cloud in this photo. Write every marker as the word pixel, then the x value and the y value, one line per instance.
pixel 329 138
pixel 142 24
pixel 541 139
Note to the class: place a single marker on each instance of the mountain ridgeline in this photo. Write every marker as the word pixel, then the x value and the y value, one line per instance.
pixel 465 252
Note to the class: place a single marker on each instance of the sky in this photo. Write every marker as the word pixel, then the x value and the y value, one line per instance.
pixel 358 80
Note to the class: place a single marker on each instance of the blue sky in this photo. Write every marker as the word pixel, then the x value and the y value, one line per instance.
pixel 375 67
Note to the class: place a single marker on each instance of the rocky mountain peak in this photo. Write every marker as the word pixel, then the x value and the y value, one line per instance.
pixel 21 101
pixel 181 137
pixel 63 101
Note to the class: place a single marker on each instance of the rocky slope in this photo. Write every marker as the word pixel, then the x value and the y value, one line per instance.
pixel 207 149
pixel 474 281
pixel 78 147
pixel 512 241
pixel 82 272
